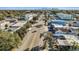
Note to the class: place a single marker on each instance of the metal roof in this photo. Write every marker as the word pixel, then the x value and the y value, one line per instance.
pixel 65 16
pixel 63 42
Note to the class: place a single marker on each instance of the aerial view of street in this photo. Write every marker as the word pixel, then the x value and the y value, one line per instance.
pixel 39 29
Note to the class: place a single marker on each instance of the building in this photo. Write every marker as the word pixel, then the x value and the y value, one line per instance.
pixel 7 25
pixel 64 45
pixel 16 26
pixel 63 42
pixel 52 16
pixel 10 19
pixel 63 16
pixel 71 38
pixel 76 23
pixel 3 24
pixel 27 17
pixel 57 23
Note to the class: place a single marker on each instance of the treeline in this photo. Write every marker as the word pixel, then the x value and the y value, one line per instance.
pixel 11 13
pixel 14 13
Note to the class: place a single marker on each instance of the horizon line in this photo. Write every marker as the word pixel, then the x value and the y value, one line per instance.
pixel 38 8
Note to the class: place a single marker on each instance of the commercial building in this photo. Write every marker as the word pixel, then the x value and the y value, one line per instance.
pixel 57 23
pixel 64 45
pixel 16 26
pixel 27 17
pixel 3 24
pixel 63 16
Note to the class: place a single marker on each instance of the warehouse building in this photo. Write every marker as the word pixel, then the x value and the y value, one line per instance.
pixel 63 16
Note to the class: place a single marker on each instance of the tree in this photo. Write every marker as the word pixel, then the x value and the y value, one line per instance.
pixel 8 41
pixel 28 25
pixel 75 46
pixel 48 39
pixel 1 17
pixel 6 26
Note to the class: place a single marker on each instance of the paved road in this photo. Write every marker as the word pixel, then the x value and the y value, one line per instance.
pixel 26 41
pixel 32 39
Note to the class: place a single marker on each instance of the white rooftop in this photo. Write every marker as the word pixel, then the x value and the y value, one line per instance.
pixel 63 42
pixel 65 16
pixel 71 38
pixel 58 26
pixel 19 23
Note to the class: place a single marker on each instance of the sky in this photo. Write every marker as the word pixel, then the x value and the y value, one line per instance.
pixel 37 8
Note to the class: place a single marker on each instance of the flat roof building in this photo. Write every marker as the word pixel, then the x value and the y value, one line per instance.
pixel 65 16
pixel 63 43
pixel 71 38
pixel 3 23
pixel 17 26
